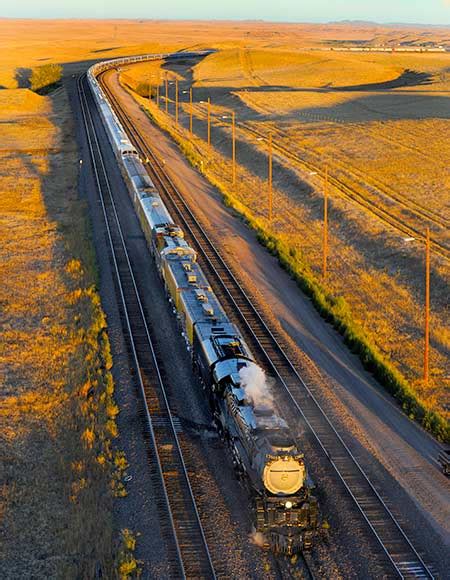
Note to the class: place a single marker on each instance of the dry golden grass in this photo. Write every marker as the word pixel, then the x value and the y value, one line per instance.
pixel 25 44
pixel 240 67
pixel 21 102
pixel 55 494
pixel 382 145
pixel 57 410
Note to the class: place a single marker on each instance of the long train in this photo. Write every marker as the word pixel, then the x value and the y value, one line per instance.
pixel 262 448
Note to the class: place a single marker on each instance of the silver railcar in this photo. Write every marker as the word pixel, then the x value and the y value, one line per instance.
pixel 261 446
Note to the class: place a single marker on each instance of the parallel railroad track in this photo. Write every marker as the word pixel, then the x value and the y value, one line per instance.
pixel 187 549
pixel 422 214
pixel 393 542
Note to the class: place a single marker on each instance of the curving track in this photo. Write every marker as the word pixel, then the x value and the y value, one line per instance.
pixel 188 553
pixel 392 541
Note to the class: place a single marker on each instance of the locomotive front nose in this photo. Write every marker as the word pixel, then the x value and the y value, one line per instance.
pixel 284 475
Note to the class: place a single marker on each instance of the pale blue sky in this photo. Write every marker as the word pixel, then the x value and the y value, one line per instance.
pixel 425 11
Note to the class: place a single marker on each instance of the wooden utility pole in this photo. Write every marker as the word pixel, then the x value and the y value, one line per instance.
pixel 270 178
pixel 190 110
pixel 176 101
pixel 209 121
pixel 325 227
pixel 426 352
pixel 233 135
pixel 167 93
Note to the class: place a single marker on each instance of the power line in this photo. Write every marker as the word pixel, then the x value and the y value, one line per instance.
pixel 325 227
pixel 426 352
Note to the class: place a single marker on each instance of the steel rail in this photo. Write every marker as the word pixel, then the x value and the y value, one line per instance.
pixel 354 173
pixel 394 542
pixel 189 556
pixel 349 193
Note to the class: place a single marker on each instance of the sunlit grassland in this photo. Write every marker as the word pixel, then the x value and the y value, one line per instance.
pixel 57 409
pixel 379 312
pixel 240 66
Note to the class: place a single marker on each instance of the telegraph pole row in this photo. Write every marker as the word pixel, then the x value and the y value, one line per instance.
pixel 167 93
pixel 426 354
pixel 325 227
pixel 176 101
pixel 233 134
pixel 209 121
pixel 426 351
pixel 270 178
pixel 190 110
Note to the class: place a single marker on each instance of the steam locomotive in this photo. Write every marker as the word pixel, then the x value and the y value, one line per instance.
pixel 262 449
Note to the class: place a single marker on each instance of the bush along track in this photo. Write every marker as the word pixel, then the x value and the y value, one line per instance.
pixel 97 468
pixel 333 309
pixel 46 78
pixel 127 565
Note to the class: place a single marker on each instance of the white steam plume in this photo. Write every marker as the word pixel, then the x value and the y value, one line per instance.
pixel 254 382
pixel 257 538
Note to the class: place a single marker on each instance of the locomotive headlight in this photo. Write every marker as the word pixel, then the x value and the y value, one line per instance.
pixel 288 505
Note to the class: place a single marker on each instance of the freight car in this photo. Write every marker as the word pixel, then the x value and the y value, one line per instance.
pixel 262 449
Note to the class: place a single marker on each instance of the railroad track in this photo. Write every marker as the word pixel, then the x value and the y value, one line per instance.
pixel 410 205
pixel 351 194
pixel 188 553
pixel 392 540
pixel 417 212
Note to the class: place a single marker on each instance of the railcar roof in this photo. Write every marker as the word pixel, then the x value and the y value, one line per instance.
pixel 137 172
pixel 154 209
pixel 197 297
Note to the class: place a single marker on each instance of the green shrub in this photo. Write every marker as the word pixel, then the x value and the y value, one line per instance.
pixel 45 76
pixel 127 565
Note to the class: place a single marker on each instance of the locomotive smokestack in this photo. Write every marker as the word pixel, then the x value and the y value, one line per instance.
pixel 254 382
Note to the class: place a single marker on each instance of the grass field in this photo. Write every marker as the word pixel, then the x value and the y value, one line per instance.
pixel 57 410
pixel 374 140
pixel 239 67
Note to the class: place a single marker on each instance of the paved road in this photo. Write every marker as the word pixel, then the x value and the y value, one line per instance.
pixel 370 421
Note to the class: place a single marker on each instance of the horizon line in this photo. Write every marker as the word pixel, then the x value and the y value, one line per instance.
pixel 345 21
